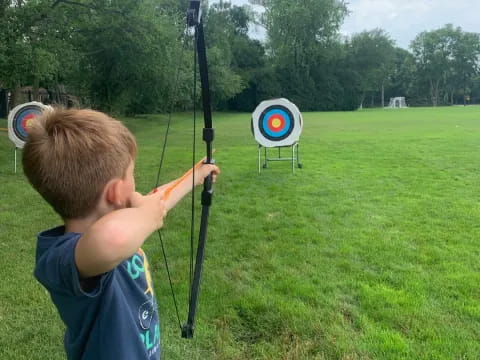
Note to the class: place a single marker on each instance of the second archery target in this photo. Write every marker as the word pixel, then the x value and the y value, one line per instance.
pixel 277 122
pixel 20 119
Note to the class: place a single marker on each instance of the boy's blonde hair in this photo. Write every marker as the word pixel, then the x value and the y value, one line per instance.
pixel 70 155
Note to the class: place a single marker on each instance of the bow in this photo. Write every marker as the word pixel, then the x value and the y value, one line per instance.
pixel 194 20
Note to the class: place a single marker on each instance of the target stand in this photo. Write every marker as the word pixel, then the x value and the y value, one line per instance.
pixel 295 157
pixel 277 123
pixel 19 120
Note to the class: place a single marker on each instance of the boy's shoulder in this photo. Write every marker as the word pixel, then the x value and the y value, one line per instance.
pixel 53 238
pixel 55 266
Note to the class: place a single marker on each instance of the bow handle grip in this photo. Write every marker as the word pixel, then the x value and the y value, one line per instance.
pixel 207 192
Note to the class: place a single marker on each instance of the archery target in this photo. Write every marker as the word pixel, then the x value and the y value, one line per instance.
pixel 277 122
pixel 20 119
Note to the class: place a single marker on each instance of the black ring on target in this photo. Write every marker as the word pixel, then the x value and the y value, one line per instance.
pixel 21 119
pixel 276 123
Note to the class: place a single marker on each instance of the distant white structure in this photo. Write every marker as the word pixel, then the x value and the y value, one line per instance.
pixel 397 103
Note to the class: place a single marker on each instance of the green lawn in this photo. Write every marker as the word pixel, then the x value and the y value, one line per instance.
pixel 371 251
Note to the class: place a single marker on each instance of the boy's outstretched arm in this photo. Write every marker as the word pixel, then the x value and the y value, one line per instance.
pixel 119 234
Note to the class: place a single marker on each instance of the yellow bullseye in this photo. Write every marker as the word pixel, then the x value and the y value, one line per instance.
pixel 276 123
pixel 29 123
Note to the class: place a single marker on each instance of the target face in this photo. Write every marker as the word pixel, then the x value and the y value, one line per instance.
pixel 20 119
pixel 276 123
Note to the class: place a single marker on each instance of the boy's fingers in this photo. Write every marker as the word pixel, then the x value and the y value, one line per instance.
pixel 213 168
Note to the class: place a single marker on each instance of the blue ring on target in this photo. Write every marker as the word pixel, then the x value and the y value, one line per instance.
pixel 267 114
pixel 19 122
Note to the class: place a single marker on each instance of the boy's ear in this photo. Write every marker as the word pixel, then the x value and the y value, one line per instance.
pixel 114 193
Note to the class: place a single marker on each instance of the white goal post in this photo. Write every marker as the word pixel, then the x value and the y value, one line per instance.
pixel 397 103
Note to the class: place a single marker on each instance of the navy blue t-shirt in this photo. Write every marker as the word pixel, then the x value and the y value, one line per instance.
pixel 116 318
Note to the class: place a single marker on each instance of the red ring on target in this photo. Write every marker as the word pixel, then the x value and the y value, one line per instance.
pixel 26 121
pixel 276 123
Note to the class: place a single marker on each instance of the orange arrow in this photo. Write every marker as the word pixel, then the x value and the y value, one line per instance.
pixel 181 179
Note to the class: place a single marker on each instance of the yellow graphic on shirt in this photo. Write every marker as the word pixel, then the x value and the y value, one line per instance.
pixel 137 265
pixel 148 275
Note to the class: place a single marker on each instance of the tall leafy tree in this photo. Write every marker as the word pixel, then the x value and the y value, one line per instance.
pixel 372 57
pixel 401 81
pixel 30 40
pixel 447 59
pixel 299 35
pixel 249 78
pixel 127 53
pixel 466 63
pixel 226 28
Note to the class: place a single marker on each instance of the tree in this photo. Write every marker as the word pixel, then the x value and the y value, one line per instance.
pixel 447 59
pixel 466 54
pixel 402 80
pixel 433 55
pixel 29 40
pixel 118 56
pixel 128 56
pixel 372 56
pixel 300 34
pixel 226 33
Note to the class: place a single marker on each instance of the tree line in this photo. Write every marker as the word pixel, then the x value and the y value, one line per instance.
pixel 135 56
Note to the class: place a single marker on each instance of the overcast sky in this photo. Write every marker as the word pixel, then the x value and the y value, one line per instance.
pixel 404 19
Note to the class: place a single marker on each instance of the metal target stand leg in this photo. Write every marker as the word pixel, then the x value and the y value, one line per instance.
pixel 299 164
pixel 15 161
pixel 259 158
pixel 265 159
pixel 293 158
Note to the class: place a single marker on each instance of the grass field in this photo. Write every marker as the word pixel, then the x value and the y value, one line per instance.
pixel 371 251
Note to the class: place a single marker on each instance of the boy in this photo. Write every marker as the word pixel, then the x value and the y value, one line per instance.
pixel 82 163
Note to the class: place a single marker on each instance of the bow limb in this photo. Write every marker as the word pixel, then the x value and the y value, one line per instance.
pixel 194 19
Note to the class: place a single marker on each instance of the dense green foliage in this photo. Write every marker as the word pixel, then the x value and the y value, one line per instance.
pixel 368 252
pixel 447 60
pixel 133 57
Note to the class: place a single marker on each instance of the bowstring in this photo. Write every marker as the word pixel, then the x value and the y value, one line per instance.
pixel 160 166
pixel 169 278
